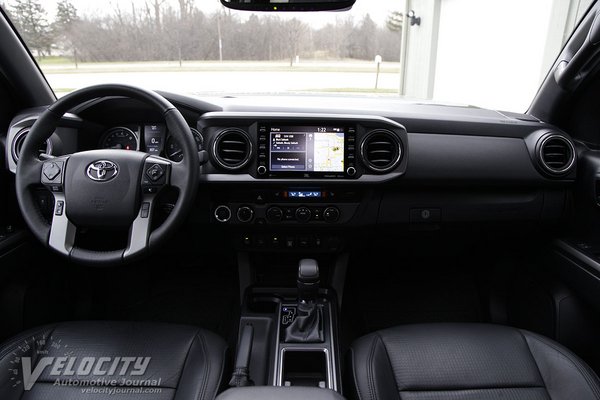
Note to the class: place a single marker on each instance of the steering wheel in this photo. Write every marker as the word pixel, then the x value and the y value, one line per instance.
pixel 105 188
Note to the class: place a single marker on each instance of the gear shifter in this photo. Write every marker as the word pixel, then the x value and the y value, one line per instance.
pixel 308 325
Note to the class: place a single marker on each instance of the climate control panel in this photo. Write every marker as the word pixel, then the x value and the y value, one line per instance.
pixel 290 206
pixel 235 213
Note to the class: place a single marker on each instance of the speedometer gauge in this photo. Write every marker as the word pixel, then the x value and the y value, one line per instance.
pixel 173 150
pixel 119 138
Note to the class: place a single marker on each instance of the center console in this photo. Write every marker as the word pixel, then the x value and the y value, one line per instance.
pixel 286 187
pixel 295 341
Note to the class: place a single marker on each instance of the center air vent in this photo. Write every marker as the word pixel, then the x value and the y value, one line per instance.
pixel 232 148
pixel 19 139
pixel 557 154
pixel 381 150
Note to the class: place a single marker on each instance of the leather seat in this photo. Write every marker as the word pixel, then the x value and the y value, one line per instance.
pixel 467 361
pixel 125 360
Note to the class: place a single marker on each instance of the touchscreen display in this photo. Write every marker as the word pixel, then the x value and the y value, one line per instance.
pixel 306 148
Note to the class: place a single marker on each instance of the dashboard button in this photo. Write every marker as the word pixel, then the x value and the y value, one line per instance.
pixel 247 240
pixel 288 214
pixel 245 214
pixel 274 214
pixel 303 214
pixel 275 241
pixel 261 170
pixel 351 171
pixel 331 214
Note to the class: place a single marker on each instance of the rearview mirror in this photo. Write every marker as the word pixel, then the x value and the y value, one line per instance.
pixel 289 5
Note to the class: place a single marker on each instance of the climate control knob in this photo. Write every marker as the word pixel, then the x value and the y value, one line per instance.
pixel 274 214
pixel 245 214
pixel 223 214
pixel 303 214
pixel 331 214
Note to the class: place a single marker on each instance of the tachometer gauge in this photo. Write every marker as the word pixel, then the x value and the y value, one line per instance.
pixel 119 138
pixel 173 150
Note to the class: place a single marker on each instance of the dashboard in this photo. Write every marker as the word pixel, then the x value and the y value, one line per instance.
pixel 295 173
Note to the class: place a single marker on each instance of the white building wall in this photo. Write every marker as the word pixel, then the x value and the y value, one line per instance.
pixel 512 31
pixel 466 50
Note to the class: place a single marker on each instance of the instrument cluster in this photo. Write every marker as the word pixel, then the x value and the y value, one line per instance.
pixel 153 139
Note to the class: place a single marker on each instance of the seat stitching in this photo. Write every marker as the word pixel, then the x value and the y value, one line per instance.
pixel 387 355
pixel 535 362
pixel 222 371
pixel 207 365
pixel 184 363
pixel 592 383
pixel 454 389
pixel 356 385
pixel 370 371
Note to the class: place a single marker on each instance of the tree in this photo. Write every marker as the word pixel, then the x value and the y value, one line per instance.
pixel 294 29
pixel 65 27
pixel 30 18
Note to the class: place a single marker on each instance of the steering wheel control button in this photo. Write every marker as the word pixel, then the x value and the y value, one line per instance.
pixel 52 175
pixel 51 171
pixel 155 172
pixel 274 214
pixel 145 212
pixel 245 214
pixel 303 214
pixel 151 190
pixel 59 209
pixel 223 214
pixel 331 214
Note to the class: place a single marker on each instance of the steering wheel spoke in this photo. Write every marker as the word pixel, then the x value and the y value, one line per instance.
pixel 62 230
pixel 179 175
pixel 140 230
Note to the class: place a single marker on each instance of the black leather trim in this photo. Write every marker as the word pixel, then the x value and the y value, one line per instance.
pixel 580 382
pixel 467 361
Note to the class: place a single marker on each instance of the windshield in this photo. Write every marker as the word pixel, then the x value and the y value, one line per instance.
pixel 492 53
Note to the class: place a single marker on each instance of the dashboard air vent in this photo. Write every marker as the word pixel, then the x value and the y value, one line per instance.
pixel 232 148
pixel 557 154
pixel 19 139
pixel 381 150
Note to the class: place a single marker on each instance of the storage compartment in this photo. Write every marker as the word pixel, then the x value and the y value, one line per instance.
pixel 305 368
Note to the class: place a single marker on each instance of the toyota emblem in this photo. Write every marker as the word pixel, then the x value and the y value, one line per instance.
pixel 102 170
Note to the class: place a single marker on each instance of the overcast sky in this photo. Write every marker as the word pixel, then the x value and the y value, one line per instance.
pixel 378 9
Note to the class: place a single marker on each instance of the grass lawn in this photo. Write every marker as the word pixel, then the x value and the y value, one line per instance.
pixel 62 65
